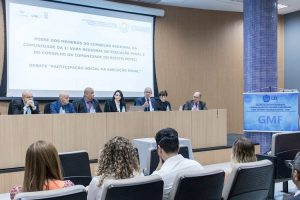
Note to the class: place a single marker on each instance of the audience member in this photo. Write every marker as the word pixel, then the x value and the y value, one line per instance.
pixel 162 103
pixel 195 104
pixel 62 105
pixel 171 163
pixel 42 170
pixel 87 104
pixel 117 104
pixel 243 151
pixel 26 105
pixel 147 101
pixel 295 165
pixel 117 160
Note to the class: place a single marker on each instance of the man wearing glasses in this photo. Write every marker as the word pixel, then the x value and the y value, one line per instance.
pixel 25 106
pixel 295 166
pixel 149 103
pixel 195 104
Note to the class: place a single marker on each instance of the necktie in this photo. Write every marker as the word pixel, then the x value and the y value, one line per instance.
pixel 148 105
pixel 90 105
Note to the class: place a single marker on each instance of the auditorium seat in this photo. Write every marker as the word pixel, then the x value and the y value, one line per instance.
pixel 249 181
pixel 285 146
pixel 154 160
pixel 139 188
pixel 204 184
pixel 76 167
pixel 76 192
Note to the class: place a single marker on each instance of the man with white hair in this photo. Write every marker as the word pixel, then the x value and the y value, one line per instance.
pixel 62 105
pixel 196 103
pixel 87 104
pixel 25 106
pixel 147 101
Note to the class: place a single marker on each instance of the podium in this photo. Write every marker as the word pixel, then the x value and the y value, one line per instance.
pixel 144 145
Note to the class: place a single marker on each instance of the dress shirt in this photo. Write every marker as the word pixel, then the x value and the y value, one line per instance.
pixel 171 167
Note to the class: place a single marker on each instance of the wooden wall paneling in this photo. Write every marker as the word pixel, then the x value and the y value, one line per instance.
pixel 131 125
pixel 8 180
pixel 180 121
pixel 17 133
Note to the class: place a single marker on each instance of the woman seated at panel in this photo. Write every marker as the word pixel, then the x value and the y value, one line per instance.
pixel 162 103
pixel 117 104
pixel 117 160
pixel 42 170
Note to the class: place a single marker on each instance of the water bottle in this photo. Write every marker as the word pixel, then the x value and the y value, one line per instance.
pixel 168 108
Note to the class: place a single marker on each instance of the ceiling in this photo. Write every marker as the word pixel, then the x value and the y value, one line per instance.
pixel 223 5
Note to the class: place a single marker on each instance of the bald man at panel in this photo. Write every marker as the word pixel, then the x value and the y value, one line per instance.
pixel 62 105
pixel 25 106
pixel 87 104
pixel 196 103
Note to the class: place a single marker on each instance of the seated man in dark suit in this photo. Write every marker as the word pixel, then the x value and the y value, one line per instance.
pixel 149 103
pixel 87 104
pixel 295 165
pixel 25 106
pixel 195 104
pixel 62 105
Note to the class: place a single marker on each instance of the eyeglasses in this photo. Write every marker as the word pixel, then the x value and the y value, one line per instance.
pixel 117 95
pixel 196 97
pixel 28 97
pixel 148 92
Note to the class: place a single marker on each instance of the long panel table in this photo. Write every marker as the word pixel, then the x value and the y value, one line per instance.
pixel 70 132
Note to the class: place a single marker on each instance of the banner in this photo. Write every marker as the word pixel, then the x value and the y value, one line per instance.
pixel 271 112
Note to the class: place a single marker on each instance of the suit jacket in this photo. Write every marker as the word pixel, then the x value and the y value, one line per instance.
pixel 56 105
pixel 17 106
pixel 189 105
pixel 141 100
pixel 110 106
pixel 80 106
pixel 163 105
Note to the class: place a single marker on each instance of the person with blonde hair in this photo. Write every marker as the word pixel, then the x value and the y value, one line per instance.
pixel 243 151
pixel 42 170
pixel 117 160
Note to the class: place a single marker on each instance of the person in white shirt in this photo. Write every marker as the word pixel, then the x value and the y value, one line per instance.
pixel 118 160
pixel 171 163
pixel 295 166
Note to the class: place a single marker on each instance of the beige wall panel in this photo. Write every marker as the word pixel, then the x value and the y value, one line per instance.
pixel 79 131
pixel 216 156
pixel 208 128
pixel 131 125
pixel 181 121
pixel 8 180
pixel 18 132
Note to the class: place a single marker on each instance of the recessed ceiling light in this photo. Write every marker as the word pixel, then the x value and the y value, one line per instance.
pixel 280 6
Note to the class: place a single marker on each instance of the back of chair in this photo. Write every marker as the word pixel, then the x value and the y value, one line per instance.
pixel 204 184
pixel 139 188
pixel 9 111
pixel 249 181
pixel 47 108
pixel 285 146
pixel 76 192
pixel 154 159
pixel 76 167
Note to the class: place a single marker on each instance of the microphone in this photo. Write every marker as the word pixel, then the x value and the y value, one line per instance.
pixel 148 108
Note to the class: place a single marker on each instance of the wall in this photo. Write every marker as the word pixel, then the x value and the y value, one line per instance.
pixel 199 50
pixel 291 50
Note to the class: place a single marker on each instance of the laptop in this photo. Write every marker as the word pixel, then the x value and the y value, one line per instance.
pixel 136 109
